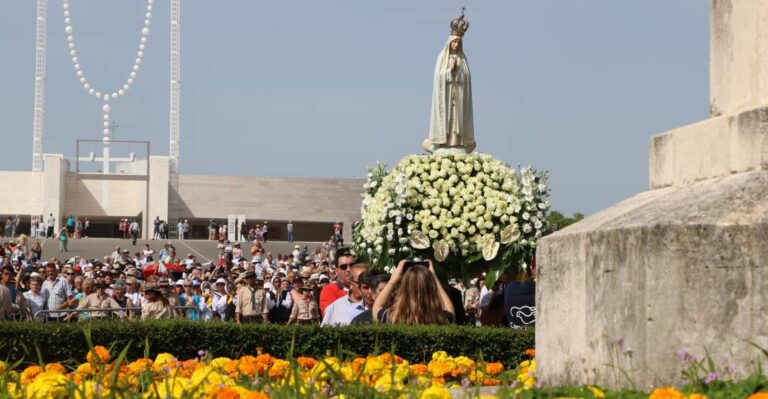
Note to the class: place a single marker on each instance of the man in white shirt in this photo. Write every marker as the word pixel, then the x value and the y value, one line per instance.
pixel 50 224
pixel 180 230
pixel 343 310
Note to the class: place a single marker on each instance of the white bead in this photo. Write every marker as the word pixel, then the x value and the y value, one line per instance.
pixel 150 1
pixel 138 61
pixel 146 22
pixel 70 38
pixel 106 124
pixel 75 60
pixel 149 8
pixel 114 95
pixel 142 47
pixel 79 73
pixel 66 5
pixel 67 20
pixel 68 29
pixel 83 80
pixel 143 39
pixel 77 67
pixel 98 94
pixel 106 97
pixel 66 13
pixel 140 54
pixel 126 87
pixel 135 68
pixel 129 81
pixel 106 117
pixel 148 15
pixel 106 139
pixel 145 31
pixel 91 91
pixel 73 53
pixel 87 86
pixel 121 92
pixel 106 108
pixel 106 131
pixel 71 46
pixel 133 75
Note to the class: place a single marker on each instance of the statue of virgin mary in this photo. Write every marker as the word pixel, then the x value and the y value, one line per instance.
pixel 451 128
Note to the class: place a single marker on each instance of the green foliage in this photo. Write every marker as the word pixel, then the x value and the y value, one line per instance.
pixel 557 220
pixel 67 341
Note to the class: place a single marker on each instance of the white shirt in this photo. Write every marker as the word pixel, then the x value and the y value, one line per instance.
pixel 342 311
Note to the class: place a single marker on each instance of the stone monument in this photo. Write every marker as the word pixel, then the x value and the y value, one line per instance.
pixel 685 264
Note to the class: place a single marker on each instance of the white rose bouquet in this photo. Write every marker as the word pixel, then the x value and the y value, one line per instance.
pixel 465 211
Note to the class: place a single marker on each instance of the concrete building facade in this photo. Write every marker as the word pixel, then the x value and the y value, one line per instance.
pixel 313 205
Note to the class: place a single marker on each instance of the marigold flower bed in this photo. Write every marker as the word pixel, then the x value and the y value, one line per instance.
pixel 108 375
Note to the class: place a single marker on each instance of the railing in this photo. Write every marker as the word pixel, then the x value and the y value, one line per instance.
pixel 112 312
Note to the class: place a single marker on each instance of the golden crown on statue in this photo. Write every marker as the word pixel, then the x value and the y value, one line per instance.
pixel 459 25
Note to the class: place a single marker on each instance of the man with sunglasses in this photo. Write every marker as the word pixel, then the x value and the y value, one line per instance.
pixel 338 289
pixel 343 310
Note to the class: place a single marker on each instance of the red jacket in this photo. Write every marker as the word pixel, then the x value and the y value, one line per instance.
pixel 330 293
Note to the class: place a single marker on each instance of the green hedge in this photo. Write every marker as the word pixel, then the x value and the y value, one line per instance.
pixel 63 342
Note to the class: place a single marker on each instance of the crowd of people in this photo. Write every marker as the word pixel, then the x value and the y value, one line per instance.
pixel 325 286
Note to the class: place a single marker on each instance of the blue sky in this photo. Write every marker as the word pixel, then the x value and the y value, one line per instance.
pixel 325 89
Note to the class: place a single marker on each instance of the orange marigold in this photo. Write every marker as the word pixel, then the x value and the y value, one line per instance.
pixel 306 362
pixel 666 393
pixel 438 381
pixel 696 396
pixel 29 374
pixel 55 367
pixel 256 395
pixel 495 368
pixel 419 369
pixel 491 381
pixel 759 395
pixel 530 352
pixel 388 358
pixel 98 355
pixel 225 393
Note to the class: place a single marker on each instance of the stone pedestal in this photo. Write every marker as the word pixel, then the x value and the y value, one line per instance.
pixel 684 265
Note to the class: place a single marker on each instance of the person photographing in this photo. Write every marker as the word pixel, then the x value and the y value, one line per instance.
pixel 419 298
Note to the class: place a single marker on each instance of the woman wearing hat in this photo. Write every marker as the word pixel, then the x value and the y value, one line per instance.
pixel 157 306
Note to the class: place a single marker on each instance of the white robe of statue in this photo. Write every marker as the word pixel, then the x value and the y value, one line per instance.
pixel 451 125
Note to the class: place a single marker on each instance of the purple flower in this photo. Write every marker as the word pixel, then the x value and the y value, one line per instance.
pixel 539 384
pixel 619 341
pixel 711 377
pixel 513 384
pixel 465 382
pixel 731 369
pixel 682 353
pixel 202 352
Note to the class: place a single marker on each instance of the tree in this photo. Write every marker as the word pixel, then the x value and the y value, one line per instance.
pixel 557 220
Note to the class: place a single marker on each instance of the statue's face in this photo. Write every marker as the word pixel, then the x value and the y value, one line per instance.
pixel 455 45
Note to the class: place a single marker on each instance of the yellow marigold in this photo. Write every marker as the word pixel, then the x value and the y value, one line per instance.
pixel 279 369
pixel 386 383
pixel 220 362
pixel 696 396
pixel 164 358
pixel 98 355
pixel 210 376
pixel 495 368
pixel 530 352
pixel 419 369
pixel 439 355
pixel 168 388
pixel 29 374
pixel 48 385
pixel 3 366
pixel 372 367
pixel 597 392
pixel 435 392
pixel 759 395
pixel 306 362
pixel 90 390
pixel 321 370
pixel 666 393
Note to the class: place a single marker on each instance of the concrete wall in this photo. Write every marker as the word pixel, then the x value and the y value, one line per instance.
pixel 738 56
pixel 20 193
pixel 678 267
pixel 271 198
pixel 115 196
pixel 714 147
